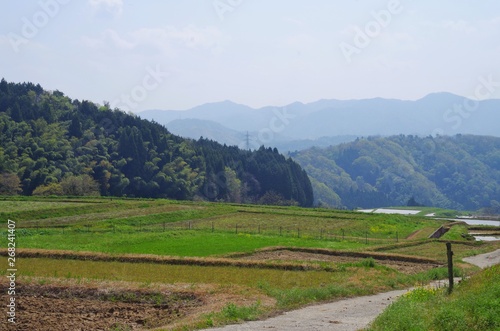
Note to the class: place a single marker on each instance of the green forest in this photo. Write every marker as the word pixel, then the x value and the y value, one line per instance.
pixel 458 172
pixel 53 145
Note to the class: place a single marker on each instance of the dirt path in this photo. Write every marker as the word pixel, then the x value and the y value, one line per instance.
pixel 484 260
pixel 344 315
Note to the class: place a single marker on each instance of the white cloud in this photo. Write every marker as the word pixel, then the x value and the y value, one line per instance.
pixel 165 40
pixel 4 40
pixel 294 21
pixel 108 39
pixel 113 7
pixel 301 41
pixel 459 26
pixel 190 36
pixel 490 27
pixel 348 32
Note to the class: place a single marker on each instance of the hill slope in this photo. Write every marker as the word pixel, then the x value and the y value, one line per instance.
pixel 460 172
pixel 51 144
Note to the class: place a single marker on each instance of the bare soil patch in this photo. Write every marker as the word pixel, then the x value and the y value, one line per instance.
pixel 62 304
pixel 289 255
pixel 57 307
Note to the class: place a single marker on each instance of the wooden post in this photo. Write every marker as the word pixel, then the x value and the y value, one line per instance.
pixel 343 233
pixel 298 232
pixel 366 237
pixel 280 231
pixel 450 266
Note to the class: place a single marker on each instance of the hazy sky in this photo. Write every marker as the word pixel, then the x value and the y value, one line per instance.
pixel 176 54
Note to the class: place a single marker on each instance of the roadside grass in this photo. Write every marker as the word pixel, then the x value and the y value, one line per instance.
pixel 473 305
pixel 231 313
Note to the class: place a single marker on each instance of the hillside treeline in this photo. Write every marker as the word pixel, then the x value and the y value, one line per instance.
pixel 459 172
pixel 53 145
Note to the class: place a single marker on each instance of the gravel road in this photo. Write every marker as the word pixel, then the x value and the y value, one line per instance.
pixel 484 260
pixel 344 315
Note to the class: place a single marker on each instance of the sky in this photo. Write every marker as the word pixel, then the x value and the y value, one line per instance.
pixel 177 54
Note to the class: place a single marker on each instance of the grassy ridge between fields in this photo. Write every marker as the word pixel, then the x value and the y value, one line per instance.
pixel 473 305
pixel 147 258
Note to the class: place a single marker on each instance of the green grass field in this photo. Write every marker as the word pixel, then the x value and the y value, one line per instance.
pixel 208 230
pixel 173 243
pixel 158 226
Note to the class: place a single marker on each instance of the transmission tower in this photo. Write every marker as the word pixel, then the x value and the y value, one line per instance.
pixel 248 140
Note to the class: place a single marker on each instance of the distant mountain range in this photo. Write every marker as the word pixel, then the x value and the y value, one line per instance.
pixel 195 128
pixel 298 126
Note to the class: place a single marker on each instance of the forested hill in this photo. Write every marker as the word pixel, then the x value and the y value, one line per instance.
pixel 460 172
pixel 53 145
